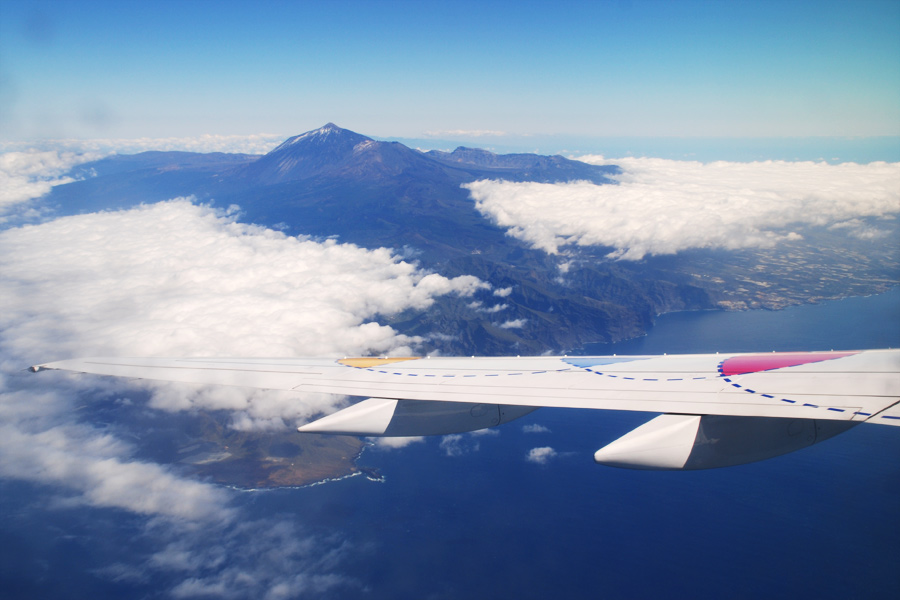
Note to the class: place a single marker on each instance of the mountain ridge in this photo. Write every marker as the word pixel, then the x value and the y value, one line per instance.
pixel 333 151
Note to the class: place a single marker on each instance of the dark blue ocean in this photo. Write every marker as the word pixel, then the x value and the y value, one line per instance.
pixel 820 523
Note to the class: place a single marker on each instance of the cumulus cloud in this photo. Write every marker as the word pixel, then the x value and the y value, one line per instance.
pixel 179 279
pixel 480 307
pixel 458 444
pixel 513 324
pixel 541 456
pixel 535 428
pixel 665 206
pixel 452 445
pixel 503 292
pixel 391 443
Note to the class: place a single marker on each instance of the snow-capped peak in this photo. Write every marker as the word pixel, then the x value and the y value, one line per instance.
pixel 321 132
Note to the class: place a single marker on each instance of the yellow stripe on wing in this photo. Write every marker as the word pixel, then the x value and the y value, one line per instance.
pixel 367 363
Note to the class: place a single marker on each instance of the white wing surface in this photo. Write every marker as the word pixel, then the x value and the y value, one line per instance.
pixel 856 386
pixel 410 396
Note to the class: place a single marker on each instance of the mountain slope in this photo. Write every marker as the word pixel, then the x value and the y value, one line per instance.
pixel 334 152
pixel 524 167
pixel 334 182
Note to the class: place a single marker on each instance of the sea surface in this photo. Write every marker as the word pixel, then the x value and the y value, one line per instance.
pixel 487 523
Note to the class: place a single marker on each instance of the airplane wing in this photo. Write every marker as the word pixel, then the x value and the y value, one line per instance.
pixel 719 409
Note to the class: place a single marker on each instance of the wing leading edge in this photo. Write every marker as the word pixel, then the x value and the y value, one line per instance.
pixel 748 397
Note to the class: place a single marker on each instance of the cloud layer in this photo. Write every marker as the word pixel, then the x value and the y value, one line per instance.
pixel 176 278
pixel 664 206
pixel 30 174
pixel 242 144
pixel 179 279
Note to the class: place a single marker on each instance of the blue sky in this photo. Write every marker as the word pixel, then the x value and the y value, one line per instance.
pixel 96 68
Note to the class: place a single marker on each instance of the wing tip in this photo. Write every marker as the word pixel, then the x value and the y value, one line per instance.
pixel 60 365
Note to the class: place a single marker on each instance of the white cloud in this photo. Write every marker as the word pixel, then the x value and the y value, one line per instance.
pixel 429 286
pixel 503 292
pixel 859 229
pixel 262 558
pixel 535 428
pixel 484 433
pixel 513 324
pixel 29 170
pixel 458 444
pixel 391 443
pixel 28 175
pixel 480 307
pixel 541 456
pixel 193 533
pixel 452 445
pixel 92 464
pixel 260 143
pixel 251 410
pixel 664 206
pixel 179 279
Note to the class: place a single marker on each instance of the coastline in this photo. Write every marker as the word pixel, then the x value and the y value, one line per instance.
pixel 761 329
